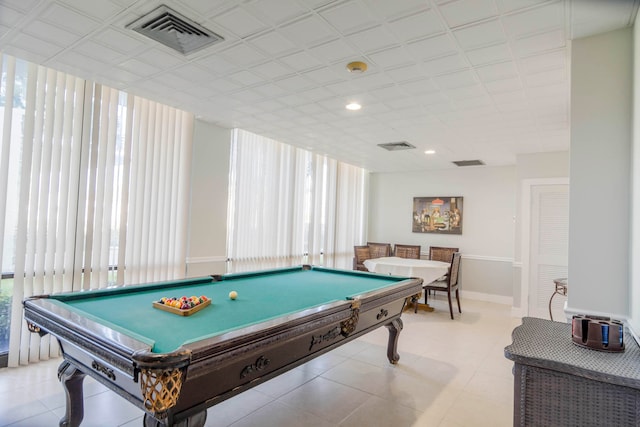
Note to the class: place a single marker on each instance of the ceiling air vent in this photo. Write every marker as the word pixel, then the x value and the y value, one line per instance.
pixel 469 163
pixel 396 146
pixel 168 27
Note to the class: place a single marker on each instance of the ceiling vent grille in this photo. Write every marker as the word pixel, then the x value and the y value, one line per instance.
pixel 168 27
pixel 469 163
pixel 396 146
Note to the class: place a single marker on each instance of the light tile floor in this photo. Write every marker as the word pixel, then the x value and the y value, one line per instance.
pixel 452 373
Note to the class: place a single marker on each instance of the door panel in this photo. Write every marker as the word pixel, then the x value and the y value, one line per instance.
pixel 549 248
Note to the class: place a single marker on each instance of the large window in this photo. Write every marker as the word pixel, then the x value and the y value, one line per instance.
pixel 93 192
pixel 289 206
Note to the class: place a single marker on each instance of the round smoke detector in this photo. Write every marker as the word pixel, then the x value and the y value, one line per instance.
pixel 357 67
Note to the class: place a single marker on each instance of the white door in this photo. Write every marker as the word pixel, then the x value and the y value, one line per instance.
pixel 549 248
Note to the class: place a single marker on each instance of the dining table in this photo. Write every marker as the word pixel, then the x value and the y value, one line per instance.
pixel 426 269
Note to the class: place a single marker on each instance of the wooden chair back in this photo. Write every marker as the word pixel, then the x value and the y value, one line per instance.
pixel 361 254
pixel 407 251
pixel 379 250
pixel 441 253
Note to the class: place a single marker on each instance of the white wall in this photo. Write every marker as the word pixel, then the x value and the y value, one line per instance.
pixel 207 247
pixel 599 227
pixel 488 220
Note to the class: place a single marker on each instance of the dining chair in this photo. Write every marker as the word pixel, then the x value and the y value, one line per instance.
pixel 407 251
pixel 441 253
pixel 379 250
pixel 361 254
pixel 449 284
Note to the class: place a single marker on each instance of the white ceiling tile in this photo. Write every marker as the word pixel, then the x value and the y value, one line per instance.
pixel 292 100
pixel 485 33
pixel 160 58
pixel 489 54
pixel 9 16
pixel 549 77
pixel 248 96
pixel 405 73
pixel 222 85
pixel 372 39
pixel 372 81
pixel 78 64
pixel 294 83
pixel 342 88
pixel 117 40
pixel 386 9
pixel 499 71
pixel 100 11
pixel 463 12
pixel 445 64
pixel 308 31
pixel 546 61
pixel 300 61
pixel 136 66
pixel 543 18
pixel 218 65
pixel 97 51
pixel 470 91
pixel 432 47
pixel 393 57
pixel 512 5
pixel 336 50
pixel 419 86
pixel 73 21
pixel 272 70
pixel 348 17
pixel 242 55
pixel 22 5
pixel 45 31
pixel 273 43
pixel 504 85
pixel 387 93
pixel 325 75
pixel 240 22
pixel 315 94
pixel 454 80
pixel 42 48
pixel 419 25
pixel 482 103
pixel 539 43
pixel 278 11
pixel 245 78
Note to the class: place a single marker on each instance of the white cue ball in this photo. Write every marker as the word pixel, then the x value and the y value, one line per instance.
pixel 233 295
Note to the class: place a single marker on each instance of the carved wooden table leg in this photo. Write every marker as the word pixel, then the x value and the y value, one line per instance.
pixel 394 333
pixel 71 379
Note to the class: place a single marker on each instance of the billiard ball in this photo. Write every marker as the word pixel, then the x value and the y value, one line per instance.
pixel 233 295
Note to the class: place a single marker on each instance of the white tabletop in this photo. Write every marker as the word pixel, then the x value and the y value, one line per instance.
pixel 426 269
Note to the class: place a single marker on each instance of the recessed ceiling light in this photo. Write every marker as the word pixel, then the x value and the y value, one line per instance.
pixel 430 152
pixel 353 106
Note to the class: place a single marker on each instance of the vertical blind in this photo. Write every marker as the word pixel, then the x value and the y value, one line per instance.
pixel 94 188
pixel 288 206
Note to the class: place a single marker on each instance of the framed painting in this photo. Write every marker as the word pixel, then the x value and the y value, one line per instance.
pixel 437 215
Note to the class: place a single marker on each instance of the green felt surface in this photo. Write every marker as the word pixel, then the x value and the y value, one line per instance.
pixel 261 297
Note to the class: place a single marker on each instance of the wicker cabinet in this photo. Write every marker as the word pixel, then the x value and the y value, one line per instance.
pixel 557 383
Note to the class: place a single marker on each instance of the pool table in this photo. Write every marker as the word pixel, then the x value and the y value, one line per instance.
pixel 176 366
